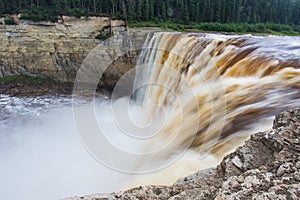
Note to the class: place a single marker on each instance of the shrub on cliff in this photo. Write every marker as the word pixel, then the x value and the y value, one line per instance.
pixel 38 17
pixel 118 17
pixel 77 12
pixel 9 21
pixel 103 36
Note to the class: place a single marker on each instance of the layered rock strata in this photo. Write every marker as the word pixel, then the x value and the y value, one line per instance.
pixel 57 50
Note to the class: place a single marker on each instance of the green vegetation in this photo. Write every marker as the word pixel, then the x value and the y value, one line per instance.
pixel 262 28
pixel 9 21
pixel 16 78
pixel 37 17
pixel 103 36
pixel 262 16
pixel 182 11
pixel 220 11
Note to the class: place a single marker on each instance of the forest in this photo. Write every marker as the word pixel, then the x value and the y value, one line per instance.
pixel 157 11
pixel 222 11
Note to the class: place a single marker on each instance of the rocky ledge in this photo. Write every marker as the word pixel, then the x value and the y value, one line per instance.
pixel 25 86
pixel 266 167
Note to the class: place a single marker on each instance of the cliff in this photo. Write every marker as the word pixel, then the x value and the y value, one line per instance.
pixel 57 50
pixel 266 167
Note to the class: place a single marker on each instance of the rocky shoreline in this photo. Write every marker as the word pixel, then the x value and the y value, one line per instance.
pixel 23 86
pixel 28 86
pixel 266 167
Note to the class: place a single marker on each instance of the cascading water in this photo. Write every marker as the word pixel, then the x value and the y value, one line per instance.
pixel 214 91
pixel 196 97
pixel 226 87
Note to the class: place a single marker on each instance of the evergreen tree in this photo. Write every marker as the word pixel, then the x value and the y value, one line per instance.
pixel 222 11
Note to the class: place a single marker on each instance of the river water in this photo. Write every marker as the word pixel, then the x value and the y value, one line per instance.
pixel 196 98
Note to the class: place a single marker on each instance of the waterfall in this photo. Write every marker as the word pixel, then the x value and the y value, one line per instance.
pixel 214 91
pixel 195 98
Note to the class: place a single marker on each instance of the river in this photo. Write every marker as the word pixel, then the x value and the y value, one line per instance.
pixel 195 98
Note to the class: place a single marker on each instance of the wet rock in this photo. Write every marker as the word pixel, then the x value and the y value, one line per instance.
pixel 27 86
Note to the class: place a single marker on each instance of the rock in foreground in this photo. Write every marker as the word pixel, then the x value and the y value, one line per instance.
pixel 266 167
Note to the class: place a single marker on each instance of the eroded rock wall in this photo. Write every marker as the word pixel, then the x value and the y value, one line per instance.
pixel 57 50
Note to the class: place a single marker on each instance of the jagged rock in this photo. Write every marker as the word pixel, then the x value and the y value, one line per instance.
pixel 266 167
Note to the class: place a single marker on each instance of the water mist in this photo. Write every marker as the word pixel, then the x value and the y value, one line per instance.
pixel 190 100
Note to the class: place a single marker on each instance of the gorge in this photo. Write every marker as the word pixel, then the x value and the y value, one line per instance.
pixel 180 102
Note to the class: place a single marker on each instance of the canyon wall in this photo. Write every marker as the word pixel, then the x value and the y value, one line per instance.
pixel 57 50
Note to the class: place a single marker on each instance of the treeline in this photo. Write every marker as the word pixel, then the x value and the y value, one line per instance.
pixel 263 28
pixel 180 11
pixel 220 11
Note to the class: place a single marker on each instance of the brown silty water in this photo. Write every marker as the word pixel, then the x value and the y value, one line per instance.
pixel 213 91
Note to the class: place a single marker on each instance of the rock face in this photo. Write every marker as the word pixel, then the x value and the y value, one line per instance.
pixel 266 167
pixel 57 50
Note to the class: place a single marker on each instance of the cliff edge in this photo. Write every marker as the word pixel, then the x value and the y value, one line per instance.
pixel 57 50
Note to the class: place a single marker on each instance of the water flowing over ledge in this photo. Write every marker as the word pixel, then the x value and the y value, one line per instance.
pixel 200 95
pixel 216 89
pixel 266 167
pixel 191 99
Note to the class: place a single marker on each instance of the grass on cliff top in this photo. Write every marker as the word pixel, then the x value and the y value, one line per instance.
pixel 277 29
pixel 18 78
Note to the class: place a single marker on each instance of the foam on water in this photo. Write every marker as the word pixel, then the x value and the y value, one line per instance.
pixel 42 156
pixel 196 99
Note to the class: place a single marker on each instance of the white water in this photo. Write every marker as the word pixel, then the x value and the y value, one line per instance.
pixel 42 157
pixel 44 154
